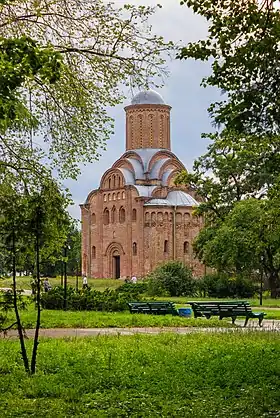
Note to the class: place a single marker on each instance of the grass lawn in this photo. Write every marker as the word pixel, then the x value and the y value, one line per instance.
pixel 98 284
pixel 198 376
pixel 91 319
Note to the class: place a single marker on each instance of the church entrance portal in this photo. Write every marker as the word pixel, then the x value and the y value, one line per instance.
pixel 117 266
pixel 115 254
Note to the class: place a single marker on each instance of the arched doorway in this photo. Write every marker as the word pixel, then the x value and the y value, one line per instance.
pixel 114 254
pixel 116 270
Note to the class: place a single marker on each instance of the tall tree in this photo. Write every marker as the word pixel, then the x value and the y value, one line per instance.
pixel 244 49
pixel 243 46
pixel 235 166
pixel 102 48
pixel 21 60
pixel 242 160
pixel 247 240
pixel 36 223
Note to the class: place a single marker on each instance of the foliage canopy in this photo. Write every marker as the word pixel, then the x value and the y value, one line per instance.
pixel 90 50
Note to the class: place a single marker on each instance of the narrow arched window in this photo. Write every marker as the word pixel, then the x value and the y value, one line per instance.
pixel 119 182
pixel 109 183
pixel 134 248
pixel 113 215
pixel 160 218
pixel 165 248
pixel 106 217
pixel 123 195
pixel 93 252
pixel 134 215
pixel 93 219
pixel 187 218
pixel 119 196
pixel 114 181
pixel 122 215
pixel 147 219
pixel 84 264
pixel 186 247
pixel 178 218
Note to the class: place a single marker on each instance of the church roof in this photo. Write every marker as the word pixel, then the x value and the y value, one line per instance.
pixel 142 168
pixel 128 176
pixel 146 154
pixel 153 169
pixel 174 198
pixel 145 191
pixel 147 97
pixel 137 167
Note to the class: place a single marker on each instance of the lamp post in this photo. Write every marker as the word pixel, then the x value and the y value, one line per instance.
pixel 261 277
pixel 67 247
pixel 77 276
pixel 62 273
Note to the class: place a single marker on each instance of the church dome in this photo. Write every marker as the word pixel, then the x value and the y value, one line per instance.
pixel 147 97
pixel 174 198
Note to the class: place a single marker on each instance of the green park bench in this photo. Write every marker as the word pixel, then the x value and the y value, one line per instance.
pixel 231 310
pixel 155 308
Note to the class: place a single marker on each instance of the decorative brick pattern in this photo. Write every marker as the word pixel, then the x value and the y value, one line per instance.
pixel 121 235
pixel 148 126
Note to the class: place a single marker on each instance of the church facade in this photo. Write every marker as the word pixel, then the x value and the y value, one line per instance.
pixel 138 218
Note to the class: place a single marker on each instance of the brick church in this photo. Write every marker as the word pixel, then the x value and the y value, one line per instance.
pixel 138 218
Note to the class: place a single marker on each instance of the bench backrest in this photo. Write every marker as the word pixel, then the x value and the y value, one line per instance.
pixel 217 307
pixel 168 306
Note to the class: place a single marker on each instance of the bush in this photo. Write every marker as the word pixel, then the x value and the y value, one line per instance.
pixel 87 299
pixel 133 289
pixel 173 279
pixel 224 286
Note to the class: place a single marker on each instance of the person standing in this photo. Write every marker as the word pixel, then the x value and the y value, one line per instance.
pixel 46 285
pixel 85 282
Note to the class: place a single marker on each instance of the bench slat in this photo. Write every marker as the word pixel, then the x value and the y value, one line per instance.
pixel 226 310
pixel 156 308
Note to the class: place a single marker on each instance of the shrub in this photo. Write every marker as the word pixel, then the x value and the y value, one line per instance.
pixel 87 299
pixel 133 289
pixel 223 286
pixel 172 278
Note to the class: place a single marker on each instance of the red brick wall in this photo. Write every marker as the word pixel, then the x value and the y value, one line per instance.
pixel 153 226
pixel 147 126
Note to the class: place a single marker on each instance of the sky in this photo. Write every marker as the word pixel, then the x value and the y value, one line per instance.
pixel 182 91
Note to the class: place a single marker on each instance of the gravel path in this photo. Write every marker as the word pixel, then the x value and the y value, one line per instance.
pixel 273 326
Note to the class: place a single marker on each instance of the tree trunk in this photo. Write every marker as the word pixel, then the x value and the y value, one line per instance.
pixel 274 284
pixel 65 281
pixel 19 326
pixel 38 304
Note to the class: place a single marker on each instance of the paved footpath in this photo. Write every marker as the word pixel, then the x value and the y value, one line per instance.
pixel 273 326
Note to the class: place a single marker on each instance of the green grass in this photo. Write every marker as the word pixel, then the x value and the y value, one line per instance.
pixel 98 284
pixel 270 313
pixel 91 319
pixel 142 376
